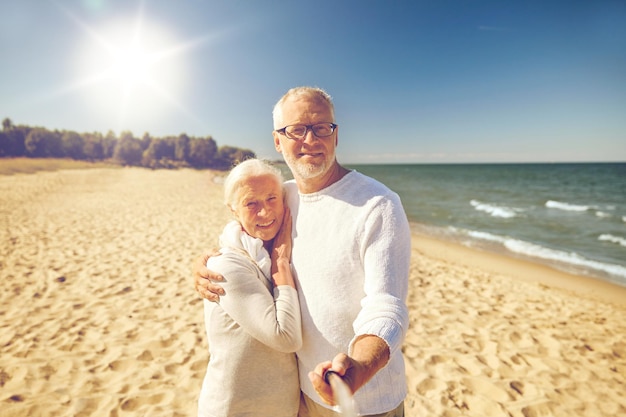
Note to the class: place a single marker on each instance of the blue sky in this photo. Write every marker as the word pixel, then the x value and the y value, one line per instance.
pixel 413 81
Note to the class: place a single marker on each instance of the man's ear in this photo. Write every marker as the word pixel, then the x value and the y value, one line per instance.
pixel 277 142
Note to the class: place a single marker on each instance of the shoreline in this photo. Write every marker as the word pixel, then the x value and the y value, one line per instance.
pixel 526 270
pixel 441 234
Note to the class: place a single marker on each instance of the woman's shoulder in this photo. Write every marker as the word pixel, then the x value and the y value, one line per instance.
pixel 236 267
pixel 231 259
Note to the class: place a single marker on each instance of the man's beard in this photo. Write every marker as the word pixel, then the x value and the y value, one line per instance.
pixel 305 170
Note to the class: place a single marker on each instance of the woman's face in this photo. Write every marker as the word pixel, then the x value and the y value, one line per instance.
pixel 259 207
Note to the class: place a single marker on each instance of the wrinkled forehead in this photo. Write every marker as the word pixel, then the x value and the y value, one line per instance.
pixel 259 186
pixel 306 109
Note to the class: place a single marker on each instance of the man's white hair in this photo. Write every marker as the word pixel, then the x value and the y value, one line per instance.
pixel 297 92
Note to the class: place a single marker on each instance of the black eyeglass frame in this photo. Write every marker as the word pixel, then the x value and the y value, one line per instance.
pixel 283 131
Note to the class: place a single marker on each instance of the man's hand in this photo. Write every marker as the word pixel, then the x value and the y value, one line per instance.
pixel 322 387
pixel 369 354
pixel 342 364
pixel 203 277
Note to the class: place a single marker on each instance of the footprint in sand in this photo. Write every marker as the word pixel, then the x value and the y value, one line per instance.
pixel 85 406
pixel 13 377
pixel 199 365
pixel 411 352
pixel 490 361
pixel 538 410
pixel 137 402
pixel 526 389
pixel 521 340
pixel 484 388
pixel 484 406
pixel 431 388
pixel 146 355
pixel 437 359
pixel 548 346
pixel 122 365
pixel 172 368
pixel 470 365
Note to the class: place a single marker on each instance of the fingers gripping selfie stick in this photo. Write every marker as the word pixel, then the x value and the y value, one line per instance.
pixel 342 393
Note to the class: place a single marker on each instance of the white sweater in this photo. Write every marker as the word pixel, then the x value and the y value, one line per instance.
pixel 252 335
pixel 351 252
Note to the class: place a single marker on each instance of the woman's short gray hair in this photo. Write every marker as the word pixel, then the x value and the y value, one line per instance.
pixel 309 92
pixel 242 172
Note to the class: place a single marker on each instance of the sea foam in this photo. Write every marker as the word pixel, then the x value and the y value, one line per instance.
pixel 561 257
pixel 495 211
pixel 566 206
pixel 613 239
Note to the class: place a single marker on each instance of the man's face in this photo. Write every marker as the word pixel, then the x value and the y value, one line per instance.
pixel 311 156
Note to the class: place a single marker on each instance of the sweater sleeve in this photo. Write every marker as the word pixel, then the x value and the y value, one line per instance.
pixel 273 319
pixel 386 255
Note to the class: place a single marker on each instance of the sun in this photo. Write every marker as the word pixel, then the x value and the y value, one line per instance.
pixel 132 66
pixel 130 71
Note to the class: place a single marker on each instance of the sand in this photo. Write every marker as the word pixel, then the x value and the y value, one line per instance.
pixel 98 316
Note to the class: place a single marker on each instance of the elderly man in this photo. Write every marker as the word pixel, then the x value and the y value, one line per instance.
pixel 351 251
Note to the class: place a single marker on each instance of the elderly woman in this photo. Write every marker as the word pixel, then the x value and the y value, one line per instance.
pixel 255 328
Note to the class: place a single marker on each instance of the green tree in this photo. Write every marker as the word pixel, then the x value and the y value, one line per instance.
pixel 73 145
pixel 93 149
pixel 7 124
pixel 149 156
pixel 181 147
pixel 167 149
pixel 12 139
pixel 42 143
pixel 109 143
pixel 158 155
pixel 4 143
pixel 227 156
pixel 128 150
pixel 146 140
pixel 202 152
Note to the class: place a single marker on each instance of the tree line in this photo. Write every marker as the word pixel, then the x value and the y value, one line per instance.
pixel 147 151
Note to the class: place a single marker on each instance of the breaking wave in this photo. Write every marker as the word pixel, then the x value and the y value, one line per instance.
pixel 566 258
pixel 495 211
pixel 566 206
pixel 613 239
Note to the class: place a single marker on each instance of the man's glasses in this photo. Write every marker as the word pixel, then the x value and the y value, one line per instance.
pixel 297 132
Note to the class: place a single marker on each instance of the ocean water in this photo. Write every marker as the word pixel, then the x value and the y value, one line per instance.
pixel 570 216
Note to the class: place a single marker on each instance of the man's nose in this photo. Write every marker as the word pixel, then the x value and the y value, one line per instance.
pixel 309 136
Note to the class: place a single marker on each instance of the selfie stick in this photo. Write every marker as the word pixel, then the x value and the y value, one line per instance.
pixel 342 393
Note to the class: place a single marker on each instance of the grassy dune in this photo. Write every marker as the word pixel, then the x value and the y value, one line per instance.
pixel 10 166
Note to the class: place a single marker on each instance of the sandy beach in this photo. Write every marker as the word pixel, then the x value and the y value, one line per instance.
pixel 98 316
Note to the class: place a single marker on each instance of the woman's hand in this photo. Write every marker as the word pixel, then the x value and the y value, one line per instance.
pixel 281 253
pixel 281 247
